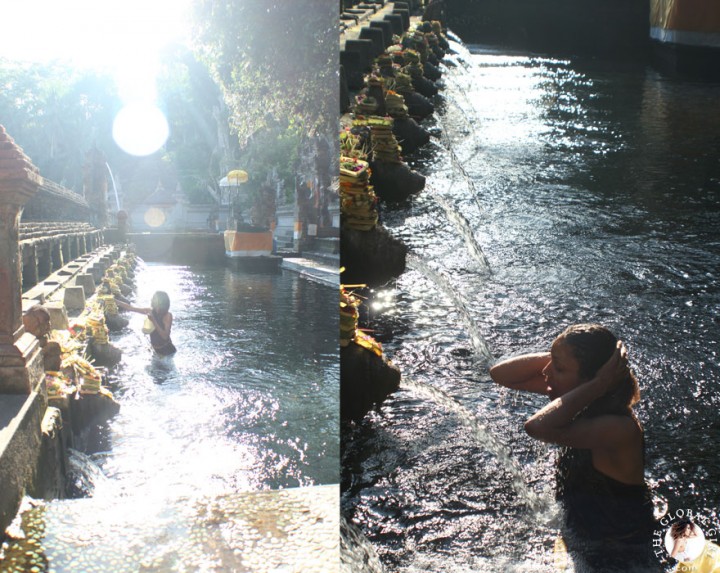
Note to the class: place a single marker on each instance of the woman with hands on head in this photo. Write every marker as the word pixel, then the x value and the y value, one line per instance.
pixel 600 470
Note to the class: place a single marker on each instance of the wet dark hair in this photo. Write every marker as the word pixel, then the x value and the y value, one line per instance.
pixel 679 528
pixel 592 345
pixel 160 302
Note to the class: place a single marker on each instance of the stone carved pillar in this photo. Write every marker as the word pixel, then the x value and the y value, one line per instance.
pixel 56 254
pixel 95 186
pixel 29 266
pixel 21 364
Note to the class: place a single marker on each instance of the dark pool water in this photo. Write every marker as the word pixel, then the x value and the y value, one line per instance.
pixel 593 192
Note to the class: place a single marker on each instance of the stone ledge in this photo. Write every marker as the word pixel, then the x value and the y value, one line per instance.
pixel 20 438
pixel 313 270
pixel 50 286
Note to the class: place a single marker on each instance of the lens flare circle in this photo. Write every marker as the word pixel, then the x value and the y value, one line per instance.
pixel 154 217
pixel 140 128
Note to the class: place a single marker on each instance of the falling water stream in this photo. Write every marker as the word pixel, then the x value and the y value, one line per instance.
pixel 592 191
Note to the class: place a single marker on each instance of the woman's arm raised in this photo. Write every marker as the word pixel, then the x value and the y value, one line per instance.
pixel 522 372
pixel 125 306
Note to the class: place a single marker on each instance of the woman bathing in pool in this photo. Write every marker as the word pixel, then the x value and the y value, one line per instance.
pixel 161 318
pixel 600 470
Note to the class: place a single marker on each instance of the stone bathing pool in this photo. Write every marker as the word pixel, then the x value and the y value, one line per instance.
pixel 183 476
pixel 560 191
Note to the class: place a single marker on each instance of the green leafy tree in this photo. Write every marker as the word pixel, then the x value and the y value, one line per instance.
pixel 277 64
pixel 56 114
pixel 199 146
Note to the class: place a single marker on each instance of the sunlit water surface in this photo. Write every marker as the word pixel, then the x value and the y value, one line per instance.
pixel 559 191
pixel 248 403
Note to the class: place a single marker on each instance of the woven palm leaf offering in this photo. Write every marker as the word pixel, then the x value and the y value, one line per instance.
pixel 95 326
pixel 375 88
pixel 365 105
pixel 86 377
pixel 58 385
pixel 66 340
pixel 403 83
pixel 395 105
pixel 358 203
pixel 375 81
pixel 108 303
pixel 119 283
pixel 385 65
pixel 109 285
pixel 415 40
pixel 368 342
pixel 119 271
pixel 127 262
pixel 349 317
pixel 384 145
pixel 352 145
pixel 78 329
pixel 412 66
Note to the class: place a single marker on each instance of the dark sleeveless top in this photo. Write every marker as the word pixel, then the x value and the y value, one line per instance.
pixel 598 507
pixel 160 345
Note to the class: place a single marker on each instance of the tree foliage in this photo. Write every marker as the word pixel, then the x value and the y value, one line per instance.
pixel 275 60
pixel 199 144
pixel 266 68
pixel 56 114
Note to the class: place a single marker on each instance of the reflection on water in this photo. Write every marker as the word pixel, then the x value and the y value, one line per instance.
pixel 594 192
pixel 248 403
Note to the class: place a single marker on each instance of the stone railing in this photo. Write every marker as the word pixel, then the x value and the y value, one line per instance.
pixel 47 247
pixel 53 202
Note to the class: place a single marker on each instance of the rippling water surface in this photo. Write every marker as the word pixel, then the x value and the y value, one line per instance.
pixel 250 399
pixel 560 191
pixel 248 403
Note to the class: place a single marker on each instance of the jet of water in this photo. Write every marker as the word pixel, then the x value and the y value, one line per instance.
pixel 465 229
pixel 112 179
pixel 448 146
pixel 542 506
pixel 84 475
pixel 446 287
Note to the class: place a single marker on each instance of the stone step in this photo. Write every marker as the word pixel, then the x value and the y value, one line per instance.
pixel 326 245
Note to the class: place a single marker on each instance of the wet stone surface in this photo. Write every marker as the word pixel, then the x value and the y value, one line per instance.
pixel 282 531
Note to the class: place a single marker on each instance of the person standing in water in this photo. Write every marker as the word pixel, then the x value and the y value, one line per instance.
pixel 601 468
pixel 160 322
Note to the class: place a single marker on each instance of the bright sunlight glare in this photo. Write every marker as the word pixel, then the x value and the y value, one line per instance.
pixel 122 36
pixel 91 33
pixel 140 128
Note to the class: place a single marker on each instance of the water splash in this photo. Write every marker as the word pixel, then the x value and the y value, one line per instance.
pixel 543 508
pixel 459 167
pixel 465 229
pixel 84 475
pixel 442 282
pixel 357 555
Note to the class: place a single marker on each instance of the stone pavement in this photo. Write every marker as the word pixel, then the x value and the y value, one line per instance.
pixel 280 531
